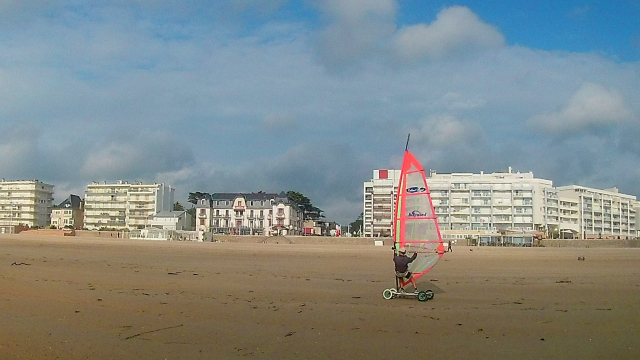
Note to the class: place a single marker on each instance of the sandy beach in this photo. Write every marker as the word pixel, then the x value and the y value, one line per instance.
pixel 84 298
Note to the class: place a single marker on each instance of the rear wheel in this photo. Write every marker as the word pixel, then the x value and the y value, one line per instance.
pixel 387 294
pixel 422 296
pixel 430 294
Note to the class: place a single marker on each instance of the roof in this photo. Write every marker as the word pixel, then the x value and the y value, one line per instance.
pixel 72 202
pixel 169 214
pixel 247 196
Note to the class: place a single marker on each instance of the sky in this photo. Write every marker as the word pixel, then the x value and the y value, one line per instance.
pixel 313 95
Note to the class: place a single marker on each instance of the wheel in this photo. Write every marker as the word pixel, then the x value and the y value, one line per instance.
pixel 430 294
pixel 387 294
pixel 422 296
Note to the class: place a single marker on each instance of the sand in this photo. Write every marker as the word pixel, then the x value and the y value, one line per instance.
pixel 74 298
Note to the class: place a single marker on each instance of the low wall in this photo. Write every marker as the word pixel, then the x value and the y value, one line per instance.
pixel 594 243
pixel 48 232
pixel 103 234
pixel 314 240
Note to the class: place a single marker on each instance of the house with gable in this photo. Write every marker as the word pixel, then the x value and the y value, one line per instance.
pixel 249 214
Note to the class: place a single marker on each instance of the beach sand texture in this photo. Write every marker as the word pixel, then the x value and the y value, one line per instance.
pixel 72 298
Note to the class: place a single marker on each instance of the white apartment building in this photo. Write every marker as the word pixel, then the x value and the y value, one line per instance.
pixel 26 203
pixel 597 214
pixel 379 203
pixel 504 201
pixel 249 214
pixel 125 205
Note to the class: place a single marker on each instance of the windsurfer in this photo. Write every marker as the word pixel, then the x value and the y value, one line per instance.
pixel 402 261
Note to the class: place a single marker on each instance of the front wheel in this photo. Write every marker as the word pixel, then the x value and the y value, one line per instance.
pixel 387 294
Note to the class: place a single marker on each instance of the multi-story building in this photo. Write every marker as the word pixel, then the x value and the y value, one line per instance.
pixel 379 203
pixel 69 213
pixel 505 201
pixel 249 214
pixel 496 201
pixel 597 214
pixel 124 205
pixel 25 203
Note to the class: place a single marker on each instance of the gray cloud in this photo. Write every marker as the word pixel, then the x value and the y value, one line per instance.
pixel 591 106
pixel 131 92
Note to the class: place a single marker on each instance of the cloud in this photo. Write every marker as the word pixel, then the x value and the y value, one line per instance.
pixel 357 31
pixel 456 31
pixel 592 106
pixel 198 97
pixel 138 157
pixel 444 129
pixel 280 121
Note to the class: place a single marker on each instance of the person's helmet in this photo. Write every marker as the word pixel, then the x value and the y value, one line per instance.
pixel 402 250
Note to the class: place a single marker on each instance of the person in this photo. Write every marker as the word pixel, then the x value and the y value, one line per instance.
pixel 402 261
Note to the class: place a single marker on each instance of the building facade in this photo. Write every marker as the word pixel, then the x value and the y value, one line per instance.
pixel 597 214
pixel 379 203
pixel 25 203
pixel 69 214
pixel 249 214
pixel 125 205
pixel 505 201
pixel 171 220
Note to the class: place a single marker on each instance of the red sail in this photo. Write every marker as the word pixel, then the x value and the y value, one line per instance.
pixel 415 226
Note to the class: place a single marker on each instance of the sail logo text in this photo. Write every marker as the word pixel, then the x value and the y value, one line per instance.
pixel 416 213
pixel 415 189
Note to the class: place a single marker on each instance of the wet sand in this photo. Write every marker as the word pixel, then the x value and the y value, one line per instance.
pixel 74 298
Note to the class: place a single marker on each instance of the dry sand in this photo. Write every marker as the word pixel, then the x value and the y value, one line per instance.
pixel 73 298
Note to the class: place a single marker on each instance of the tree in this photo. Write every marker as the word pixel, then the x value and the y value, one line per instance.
pixel 194 197
pixel 356 225
pixel 310 212
pixel 178 207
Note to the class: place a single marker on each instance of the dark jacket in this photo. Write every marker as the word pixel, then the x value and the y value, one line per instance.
pixel 402 261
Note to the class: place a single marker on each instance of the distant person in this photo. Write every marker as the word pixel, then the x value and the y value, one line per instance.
pixel 402 261
pixel 450 246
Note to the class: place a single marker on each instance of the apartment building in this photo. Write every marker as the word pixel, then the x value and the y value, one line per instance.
pixel 597 214
pixel 249 214
pixel 125 205
pixel 515 201
pixel 379 203
pixel 25 203
pixel 68 214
